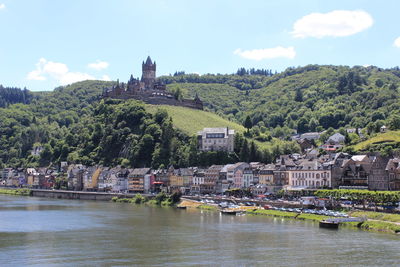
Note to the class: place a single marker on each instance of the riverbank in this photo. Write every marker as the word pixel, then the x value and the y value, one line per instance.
pixel 388 226
pixel 16 192
pixel 160 199
pixel 375 221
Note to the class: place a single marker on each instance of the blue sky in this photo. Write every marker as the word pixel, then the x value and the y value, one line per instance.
pixel 47 43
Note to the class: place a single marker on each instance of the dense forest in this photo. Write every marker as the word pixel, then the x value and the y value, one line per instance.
pixel 72 123
pixel 11 95
pixel 310 98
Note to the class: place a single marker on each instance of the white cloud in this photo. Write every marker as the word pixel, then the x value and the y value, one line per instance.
pixel 98 65
pixel 267 53
pixel 2 6
pixel 106 78
pixel 59 71
pixel 337 23
pixel 73 77
pixel 397 42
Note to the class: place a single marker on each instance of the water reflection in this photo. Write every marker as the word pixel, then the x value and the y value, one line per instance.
pixel 65 232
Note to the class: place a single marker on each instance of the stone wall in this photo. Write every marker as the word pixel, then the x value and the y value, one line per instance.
pixel 63 194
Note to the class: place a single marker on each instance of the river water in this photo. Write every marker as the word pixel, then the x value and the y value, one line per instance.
pixel 50 232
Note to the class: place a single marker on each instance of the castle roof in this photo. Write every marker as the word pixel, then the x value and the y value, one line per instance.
pixel 148 61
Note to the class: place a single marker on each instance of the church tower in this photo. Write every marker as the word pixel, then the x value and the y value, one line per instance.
pixel 149 74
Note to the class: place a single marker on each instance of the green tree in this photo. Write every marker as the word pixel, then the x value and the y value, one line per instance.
pixel 248 123
pixel 394 122
pixel 299 95
pixel 244 152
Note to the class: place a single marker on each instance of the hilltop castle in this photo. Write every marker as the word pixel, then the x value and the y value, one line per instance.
pixel 149 90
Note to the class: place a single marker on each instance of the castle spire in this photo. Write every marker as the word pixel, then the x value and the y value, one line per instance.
pixel 148 61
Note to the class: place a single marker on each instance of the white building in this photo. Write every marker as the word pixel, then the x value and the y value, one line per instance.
pixel 310 174
pixel 216 139
pixel 248 178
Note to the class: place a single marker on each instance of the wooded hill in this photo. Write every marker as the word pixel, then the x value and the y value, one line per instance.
pixel 73 123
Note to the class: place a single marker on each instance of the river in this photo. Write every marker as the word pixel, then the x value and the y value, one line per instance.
pixel 51 232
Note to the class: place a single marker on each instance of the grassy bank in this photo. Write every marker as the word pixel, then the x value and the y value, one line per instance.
pixel 16 192
pixel 161 199
pixel 379 222
pixel 208 207
pixel 380 226
pixel 287 214
pixel 381 216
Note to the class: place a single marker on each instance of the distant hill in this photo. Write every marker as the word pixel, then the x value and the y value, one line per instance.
pixel 306 98
pixel 71 120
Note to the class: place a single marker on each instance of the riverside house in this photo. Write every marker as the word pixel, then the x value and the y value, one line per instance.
pixel 211 177
pixel 235 174
pixel 393 171
pixel 290 172
pixel 266 177
pixel 309 174
pixel 137 180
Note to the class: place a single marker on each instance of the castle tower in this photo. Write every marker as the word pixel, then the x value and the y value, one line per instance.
pixel 149 73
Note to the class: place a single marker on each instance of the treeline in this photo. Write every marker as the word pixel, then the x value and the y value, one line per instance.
pixel 362 196
pixel 253 71
pixel 241 82
pixel 12 95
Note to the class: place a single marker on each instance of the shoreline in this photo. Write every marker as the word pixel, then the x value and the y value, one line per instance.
pixel 368 225
pixel 376 221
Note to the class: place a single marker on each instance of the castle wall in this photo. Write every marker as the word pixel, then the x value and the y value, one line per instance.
pixel 149 90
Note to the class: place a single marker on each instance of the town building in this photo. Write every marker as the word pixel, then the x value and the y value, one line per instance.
pixel 211 177
pixel 216 139
pixel 310 136
pixel 355 172
pixel 235 174
pixel 137 180
pixel 334 142
pixel 266 178
pixel 75 177
pixel 393 172
pixel 309 174
pixel 378 178
pixel 248 178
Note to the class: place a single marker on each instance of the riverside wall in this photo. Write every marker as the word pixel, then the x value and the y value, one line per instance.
pixel 63 194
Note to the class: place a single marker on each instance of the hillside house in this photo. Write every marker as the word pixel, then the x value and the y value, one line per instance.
pixel 216 139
